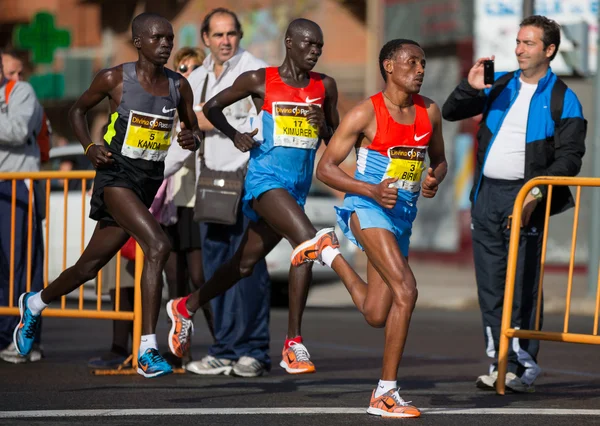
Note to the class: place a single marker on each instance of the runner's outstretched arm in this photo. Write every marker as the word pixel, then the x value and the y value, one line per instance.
pixel 250 83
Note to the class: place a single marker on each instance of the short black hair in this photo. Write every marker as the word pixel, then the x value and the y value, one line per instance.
pixel 550 28
pixel 141 22
pixel 389 50
pixel 299 25
pixel 205 27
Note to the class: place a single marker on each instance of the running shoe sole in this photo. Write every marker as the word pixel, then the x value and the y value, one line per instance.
pixel 383 413
pixel 226 371
pixel 242 374
pixel 482 384
pixel 157 374
pixel 290 370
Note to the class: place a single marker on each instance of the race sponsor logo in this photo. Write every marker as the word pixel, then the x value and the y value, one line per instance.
pixel 148 136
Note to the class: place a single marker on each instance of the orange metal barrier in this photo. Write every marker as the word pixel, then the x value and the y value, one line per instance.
pixel 64 311
pixel 507 332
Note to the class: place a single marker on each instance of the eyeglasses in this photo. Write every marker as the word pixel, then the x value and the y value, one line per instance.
pixel 184 68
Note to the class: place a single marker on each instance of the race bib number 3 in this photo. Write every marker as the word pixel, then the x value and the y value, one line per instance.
pixel 406 164
pixel 291 127
pixel 148 136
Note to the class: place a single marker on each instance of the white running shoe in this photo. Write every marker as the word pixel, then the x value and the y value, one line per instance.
pixel 210 366
pixel 247 366
pixel 515 384
pixel 487 381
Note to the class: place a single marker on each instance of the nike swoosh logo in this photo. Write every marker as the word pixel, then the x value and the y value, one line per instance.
pixel 386 404
pixel 166 111
pixel 418 138
pixel 307 253
pixel 309 100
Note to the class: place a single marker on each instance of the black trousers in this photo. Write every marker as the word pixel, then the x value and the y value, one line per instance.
pixel 491 235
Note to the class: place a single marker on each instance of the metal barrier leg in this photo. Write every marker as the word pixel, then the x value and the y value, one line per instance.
pixel 137 306
pixel 509 289
pixel 502 364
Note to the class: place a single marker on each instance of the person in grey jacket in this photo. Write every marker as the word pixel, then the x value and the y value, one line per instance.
pixel 20 122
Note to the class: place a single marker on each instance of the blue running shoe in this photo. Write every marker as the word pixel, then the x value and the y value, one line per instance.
pixel 27 327
pixel 152 364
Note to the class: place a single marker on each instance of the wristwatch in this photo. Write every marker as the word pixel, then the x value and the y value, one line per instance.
pixel 536 193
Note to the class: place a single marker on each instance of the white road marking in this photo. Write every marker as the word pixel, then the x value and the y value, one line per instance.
pixel 285 410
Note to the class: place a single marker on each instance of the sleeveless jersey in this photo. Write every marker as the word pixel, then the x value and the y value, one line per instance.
pixel 289 141
pixel 397 150
pixel 139 132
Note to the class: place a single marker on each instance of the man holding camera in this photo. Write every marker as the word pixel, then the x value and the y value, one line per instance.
pixel 532 125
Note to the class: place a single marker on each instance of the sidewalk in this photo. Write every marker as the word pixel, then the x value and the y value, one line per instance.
pixel 451 286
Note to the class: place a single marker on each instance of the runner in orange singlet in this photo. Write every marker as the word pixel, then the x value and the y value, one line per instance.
pixel 392 131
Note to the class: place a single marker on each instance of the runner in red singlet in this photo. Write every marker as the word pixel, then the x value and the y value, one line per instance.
pixel 298 109
pixel 392 132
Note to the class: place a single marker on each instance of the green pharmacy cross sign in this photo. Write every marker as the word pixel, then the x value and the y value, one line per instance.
pixel 42 38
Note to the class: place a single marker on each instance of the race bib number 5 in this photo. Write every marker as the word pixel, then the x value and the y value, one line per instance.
pixel 148 136
pixel 406 164
pixel 291 127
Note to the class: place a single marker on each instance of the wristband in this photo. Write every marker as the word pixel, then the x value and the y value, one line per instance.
pixel 87 148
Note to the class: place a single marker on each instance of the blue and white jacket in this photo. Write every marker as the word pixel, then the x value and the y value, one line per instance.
pixel 552 149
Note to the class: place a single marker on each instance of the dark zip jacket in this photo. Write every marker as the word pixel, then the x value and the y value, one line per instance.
pixel 551 150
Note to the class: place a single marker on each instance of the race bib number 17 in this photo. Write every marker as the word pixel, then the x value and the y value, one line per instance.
pixel 291 127
pixel 148 136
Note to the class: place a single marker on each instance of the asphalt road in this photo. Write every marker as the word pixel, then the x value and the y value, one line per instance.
pixel 444 355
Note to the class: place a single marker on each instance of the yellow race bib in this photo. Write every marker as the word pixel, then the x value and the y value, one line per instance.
pixel 148 136
pixel 291 127
pixel 406 164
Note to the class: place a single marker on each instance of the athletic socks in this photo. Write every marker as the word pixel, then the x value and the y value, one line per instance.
pixel 297 339
pixel 148 342
pixel 35 303
pixel 182 309
pixel 384 386
pixel 328 254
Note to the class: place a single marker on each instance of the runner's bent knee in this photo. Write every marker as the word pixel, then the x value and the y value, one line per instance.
pixel 405 295
pixel 158 250
pixel 376 318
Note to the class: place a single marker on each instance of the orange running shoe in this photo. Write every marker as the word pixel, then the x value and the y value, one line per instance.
pixel 391 404
pixel 310 251
pixel 181 330
pixel 296 359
